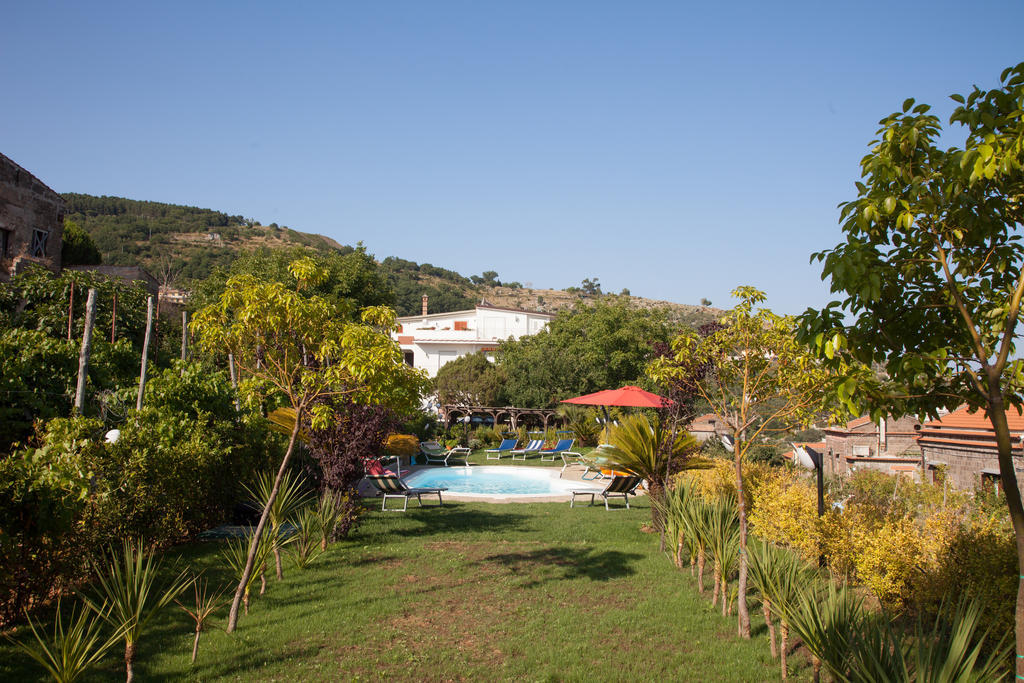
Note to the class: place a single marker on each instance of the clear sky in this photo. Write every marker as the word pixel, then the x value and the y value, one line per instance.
pixel 676 149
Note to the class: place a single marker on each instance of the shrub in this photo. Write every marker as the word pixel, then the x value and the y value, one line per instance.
pixel 402 444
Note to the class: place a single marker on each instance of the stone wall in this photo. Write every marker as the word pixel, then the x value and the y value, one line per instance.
pixel 848 445
pixel 31 221
pixel 965 465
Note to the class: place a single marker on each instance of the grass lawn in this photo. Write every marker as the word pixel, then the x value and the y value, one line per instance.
pixel 469 591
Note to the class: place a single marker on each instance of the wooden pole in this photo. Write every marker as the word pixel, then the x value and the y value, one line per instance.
pixel 234 378
pixel 113 320
pixel 145 352
pixel 184 335
pixel 83 356
pixel 71 308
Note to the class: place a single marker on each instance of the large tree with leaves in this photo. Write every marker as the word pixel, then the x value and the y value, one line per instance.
pixel 758 378
pixel 931 273
pixel 302 350
pixel 587 349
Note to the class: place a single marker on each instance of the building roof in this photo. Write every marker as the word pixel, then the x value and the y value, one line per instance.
pixel 965 427
pixel 23 178
pixel 472 311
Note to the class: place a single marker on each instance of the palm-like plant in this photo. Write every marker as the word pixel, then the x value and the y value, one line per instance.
pixel 75 645
pixel 202 609
pixel 236 554
pixel 292 496
pixel 306 543
pixel 129 595
pixel 645 448
pixel 329 508
pixel 723 534
pixel 785 586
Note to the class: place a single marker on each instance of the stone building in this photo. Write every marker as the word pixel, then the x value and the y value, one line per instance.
pixel 887 445
pixel 31 221
pixel 962 444
pixel 127 273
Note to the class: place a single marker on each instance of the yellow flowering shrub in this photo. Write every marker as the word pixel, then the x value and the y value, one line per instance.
pixel 786 513
pixel 888 559
pixel 402 444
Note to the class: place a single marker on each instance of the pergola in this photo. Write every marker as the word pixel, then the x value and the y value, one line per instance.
pixel 509 413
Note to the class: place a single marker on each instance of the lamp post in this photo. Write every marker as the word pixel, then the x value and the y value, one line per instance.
pixel 819 471
pixel 465 430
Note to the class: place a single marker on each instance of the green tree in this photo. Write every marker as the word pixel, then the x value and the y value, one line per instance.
pixel 931 274
pixel 470 380
pixel 760 379
pixel 589 348
pixel 301 350
pixel 77 247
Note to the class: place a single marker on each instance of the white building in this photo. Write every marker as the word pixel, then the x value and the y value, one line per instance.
pixel 429 341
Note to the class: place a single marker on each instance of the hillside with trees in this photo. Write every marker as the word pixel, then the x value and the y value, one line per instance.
pixel 184 245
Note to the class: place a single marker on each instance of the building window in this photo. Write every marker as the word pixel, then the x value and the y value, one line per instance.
pixel 39 238
pixel 408 356
pixel 5 242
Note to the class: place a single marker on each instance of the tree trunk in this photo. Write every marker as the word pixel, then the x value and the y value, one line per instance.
pixel 145 352
pixel 251 559
pixel 195 645
pixel 816 664
pixel 83 356
pixel 701 561
pixel 718 575
pixel 1008 478
pixel 129 657
pixel 246 600
pixel 679 551
pixel 725 596
pixel 184 336
pixel 767 607
pixel 263 580
pixel 277 562
pixel 784 633
pixel 743 627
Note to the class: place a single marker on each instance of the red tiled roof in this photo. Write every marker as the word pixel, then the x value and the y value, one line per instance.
pixel 970 428
pixel 859 422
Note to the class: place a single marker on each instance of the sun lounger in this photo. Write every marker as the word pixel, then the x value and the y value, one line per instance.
pixel 505 446
pixel 436 453
pixel 560 447
pixel 393 487
pixel 621 486
pixel 533 446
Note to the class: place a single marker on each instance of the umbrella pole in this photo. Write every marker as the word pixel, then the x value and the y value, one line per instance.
pixel 607 430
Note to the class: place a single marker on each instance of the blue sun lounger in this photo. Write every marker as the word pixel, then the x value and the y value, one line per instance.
pixel 506 446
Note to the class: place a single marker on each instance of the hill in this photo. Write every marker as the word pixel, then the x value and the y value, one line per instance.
pixel 178 244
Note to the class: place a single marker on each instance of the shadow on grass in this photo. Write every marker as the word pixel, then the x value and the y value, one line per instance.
pixel 450 518
pixel 560 563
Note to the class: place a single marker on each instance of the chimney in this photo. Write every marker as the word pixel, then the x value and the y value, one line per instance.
pixel 424 304
pixel 883 437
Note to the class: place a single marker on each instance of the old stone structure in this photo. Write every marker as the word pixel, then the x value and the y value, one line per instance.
pixel 962 447
pixel 128 273
pixel 31 221
pixel 887 445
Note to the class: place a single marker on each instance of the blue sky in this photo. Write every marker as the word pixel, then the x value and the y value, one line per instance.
pixel 675 149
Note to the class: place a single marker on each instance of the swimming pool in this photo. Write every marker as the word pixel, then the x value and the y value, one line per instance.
pixel 498 481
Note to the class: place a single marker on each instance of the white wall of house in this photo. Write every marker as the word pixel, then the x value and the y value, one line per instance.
pixel 438 338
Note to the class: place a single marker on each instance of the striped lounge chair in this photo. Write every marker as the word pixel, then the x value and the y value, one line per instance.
pixel 621 486
pixel 393 487
pixel 533 446
pixel 506 446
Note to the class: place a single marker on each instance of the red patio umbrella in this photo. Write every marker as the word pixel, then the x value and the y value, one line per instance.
pixel 629 396
pixel 626 396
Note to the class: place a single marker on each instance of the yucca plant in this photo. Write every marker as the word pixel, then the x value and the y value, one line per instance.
pixel 329 508
pixel 763 564
pixel 292 496
pixel 236 554
pixel 700 513
pixel 953 648
pixel 203 608
pixel 129 596
pixel 785 587
pixel 76 644
pixel 723 531
pixel 306 543
pixel 673 511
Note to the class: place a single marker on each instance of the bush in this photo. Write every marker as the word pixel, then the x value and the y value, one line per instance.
pixel 402 444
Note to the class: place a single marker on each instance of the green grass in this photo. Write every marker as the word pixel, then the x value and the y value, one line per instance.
pixel 468 591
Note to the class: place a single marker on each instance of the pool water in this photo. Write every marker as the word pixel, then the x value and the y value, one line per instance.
pixel 498 481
